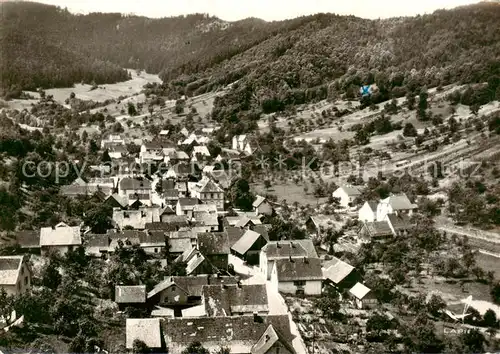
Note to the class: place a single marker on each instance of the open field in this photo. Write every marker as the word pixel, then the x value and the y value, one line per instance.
pixel 290 192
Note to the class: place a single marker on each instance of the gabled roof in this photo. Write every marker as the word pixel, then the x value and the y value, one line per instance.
pixel 336 270
pixel 10 268
pixel 263 230
pixel 118 199
pixel 399 202
pixel 28 239
pixel 211 243
pixel 399 222
pixel 211 187
pixel 201 149
pixel 372 204
pixel 225 300
pixel 298 269
pixel 239 333
pixel 258 201
pixel 179 245
pixel 130 294
pixel 207 219
pixel 205 208
pixel 269 338
pixel 234 234
pixel 325 221
pixel 244 221
pixel 146 330
pixel 359 291
pixel 188 203
pixel 377 228
pixel 246 242
pixel 192 285
pixel 152 237
pixel 352 191
pixel 133 183
pixel 284 249
pixel 60 235
pixel 196 260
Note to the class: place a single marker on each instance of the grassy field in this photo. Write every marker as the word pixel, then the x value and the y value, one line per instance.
pixel 290 191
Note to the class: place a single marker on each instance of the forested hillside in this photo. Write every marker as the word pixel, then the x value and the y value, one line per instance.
pixel 45 46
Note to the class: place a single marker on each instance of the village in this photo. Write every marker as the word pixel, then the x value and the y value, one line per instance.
pixel 240 289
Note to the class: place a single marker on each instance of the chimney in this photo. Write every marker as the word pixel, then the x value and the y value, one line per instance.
pixel 256 317
pixel 306 260
pixel 290 257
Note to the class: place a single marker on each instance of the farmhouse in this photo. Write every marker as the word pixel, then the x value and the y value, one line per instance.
pixel 340 274
pixel 231 300
pixel 261 206
pixel 15 275
pixel 362 296
pixel 378 231
pixel 248 246
pixel 299 276
pixel 131 295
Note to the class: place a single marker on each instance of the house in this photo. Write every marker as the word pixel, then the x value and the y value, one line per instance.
pixel 184 132
pixel 152 242
pixel 112 140
pixel 15 274
pixel 133 189
pixel 209 222
pixel 261 206
pixel 180 292
pixel 164 133
pixel 196 263
pixel 395 204
pixel 136 219
pixel 400 224
pixel 362 296
pixel 347 195
pixel 214 246
pixel 201 150
pixel 116 201
pixel 378 231
pixel 241 143
pixel 131 295
pixel 152 147
pixel 340 274
pixel 235 300
pixel 298 276
pixel 61 238
pixel 275 250
pixel 248 246
pixel 146 330
pixel 240 334
pixel 368 212
pixel 209 192
pixel 185 206
pixel 80 187
pixel 178 245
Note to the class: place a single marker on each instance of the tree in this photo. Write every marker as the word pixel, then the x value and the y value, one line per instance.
pixel 422 104
pixel 472 341
pixel 328 305
pixel 138 346
pixel 490 318
pixel 195 348
pixel 421 338
pixel 378 322
pixel 132 111
pixel 105 156
pixel 99 218
pixel 267 184
pixel 7 305
pixel 51 278
pixel 151 109
pixel 495 293
pixel 409 130
pixel 435 305
pixel 410 100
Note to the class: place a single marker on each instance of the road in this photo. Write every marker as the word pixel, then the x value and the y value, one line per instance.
pixel 277 305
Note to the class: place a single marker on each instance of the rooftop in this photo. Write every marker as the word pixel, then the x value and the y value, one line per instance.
pixel 399 202
pixel 359 291
pixel 128 294
pixel 210 243
pixel 193 285
pixel 336 270
pixel 246 242
pixel 60 235
pixel 10 266
pixel 225 300
pixel 144 329
pixel 299 269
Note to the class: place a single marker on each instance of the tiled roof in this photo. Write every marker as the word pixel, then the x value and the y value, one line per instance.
pixel 351 190
pixel 211 243
pixel 399 202
pixel 262 229
pixel 134 183
pixel 130 294
pixel 269 338
pixel 373 205
pixel 234 234
pixel 188 203
pixel 152 237
pixel 207 219
pixel 399 222
pixel 146 330
pixel 10 266
pixel 336 270
pixel 284 249
pixel 298 269
pixel 61 235
pixel 193 285
pixel 246 242
pixel 239 333
pixel 28 239
pixel 378 228
pixel 211 187
pixel 179 245
pixel 225 300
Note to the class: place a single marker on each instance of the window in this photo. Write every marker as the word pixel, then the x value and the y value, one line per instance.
pixel 156 250
pixel 299 283
pixel 173 288
pixel 125 215
pixel 22 270
pixel 26 281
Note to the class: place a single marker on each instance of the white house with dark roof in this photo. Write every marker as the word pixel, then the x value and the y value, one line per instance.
pixel 395 204
pixel 60 238
pixel 15 274
pixel 209 192
pixel 298 276
pixel 185 206
pixel 133 189
pixel 261 206
pixel 368 212
pixel 347 195
pixel 242 143
pixel 137 219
